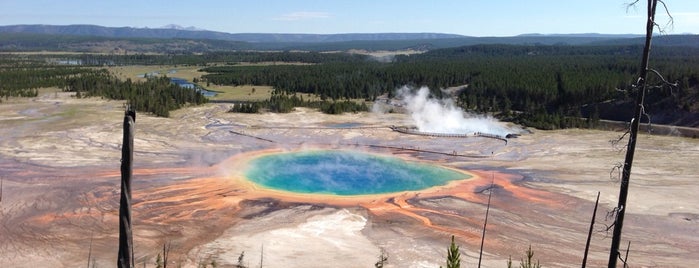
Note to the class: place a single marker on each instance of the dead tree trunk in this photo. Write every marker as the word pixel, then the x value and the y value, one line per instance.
pixel 485 223
pixel 89 251
pixel 166 253
pixel 631 148
pixel 589 233
pixel 125 257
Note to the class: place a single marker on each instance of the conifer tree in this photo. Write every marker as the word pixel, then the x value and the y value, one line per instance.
pixel 453 255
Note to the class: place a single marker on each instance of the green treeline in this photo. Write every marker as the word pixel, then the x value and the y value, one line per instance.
pixel 339 80
pixel 157 95
pixel 24 81
pixel 22 77
pixel 541 86
pixel 545 86
pixel 232 57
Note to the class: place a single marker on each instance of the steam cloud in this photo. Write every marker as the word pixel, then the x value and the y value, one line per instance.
pixel 443 116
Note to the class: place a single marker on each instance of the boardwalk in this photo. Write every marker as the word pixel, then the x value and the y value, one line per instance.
pixel 414 131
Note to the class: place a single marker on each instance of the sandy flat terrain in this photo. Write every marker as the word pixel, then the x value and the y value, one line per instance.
pixel 59 158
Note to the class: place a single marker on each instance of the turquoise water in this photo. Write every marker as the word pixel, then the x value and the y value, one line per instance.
pixel 345 173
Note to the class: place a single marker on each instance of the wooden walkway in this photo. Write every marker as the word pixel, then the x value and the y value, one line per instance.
pixel 413 131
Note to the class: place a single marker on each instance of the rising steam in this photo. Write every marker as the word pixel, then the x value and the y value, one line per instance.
pixel 443 116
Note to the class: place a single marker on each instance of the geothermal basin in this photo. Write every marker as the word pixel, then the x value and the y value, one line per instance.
pixel 193 188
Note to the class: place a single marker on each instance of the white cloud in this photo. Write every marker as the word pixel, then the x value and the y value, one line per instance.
pixel 303 15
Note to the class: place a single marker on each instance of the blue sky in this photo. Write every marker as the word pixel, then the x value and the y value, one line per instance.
pixel 466 17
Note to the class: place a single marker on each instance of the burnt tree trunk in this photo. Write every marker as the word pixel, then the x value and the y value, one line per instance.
pixel 631 148
pixel 589 233
pixel 125 257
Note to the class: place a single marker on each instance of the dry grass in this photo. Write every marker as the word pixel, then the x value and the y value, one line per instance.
pixel 266 63
pixel 134 71
pixel 241 93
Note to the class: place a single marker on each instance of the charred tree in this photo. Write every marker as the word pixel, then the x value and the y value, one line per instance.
pixel 125 258
pixel 89 251
pixel 485 222
pixel 640 88
pixel 589 234
pixel 166 253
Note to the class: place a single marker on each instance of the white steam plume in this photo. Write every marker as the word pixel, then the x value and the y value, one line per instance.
pixel 443 116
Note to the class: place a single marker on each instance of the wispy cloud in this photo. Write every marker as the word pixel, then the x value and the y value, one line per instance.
pixel 303 15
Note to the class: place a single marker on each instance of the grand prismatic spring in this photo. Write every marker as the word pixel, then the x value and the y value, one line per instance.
pixel 345 173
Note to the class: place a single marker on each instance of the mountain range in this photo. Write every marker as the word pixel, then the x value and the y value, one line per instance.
pixel 177 39
pixel 176 31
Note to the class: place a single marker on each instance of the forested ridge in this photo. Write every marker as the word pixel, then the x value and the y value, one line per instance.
pixel 544 86
pixel 81 39
pixel 541 86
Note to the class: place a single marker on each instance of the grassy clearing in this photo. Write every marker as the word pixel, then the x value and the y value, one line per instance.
pixel 241 93
pixel 179 71
pixel 245 93
pixel 134 71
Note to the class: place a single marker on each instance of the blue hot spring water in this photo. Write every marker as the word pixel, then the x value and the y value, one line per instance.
pixel 345 173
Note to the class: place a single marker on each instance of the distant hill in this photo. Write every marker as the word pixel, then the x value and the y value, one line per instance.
pixel 587 35
pixel 175 31
pixel 179 27
pixel 177 39
pixel 686 40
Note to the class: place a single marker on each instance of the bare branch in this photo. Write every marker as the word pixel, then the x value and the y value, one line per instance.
pixel 664 83
pixel 615 173
pixel 670 21
pixel 617 142
pixel 631 5
pixel 611 215
pixel 662 29
pixel 667 83
pixel 643 113
pixel 605 230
